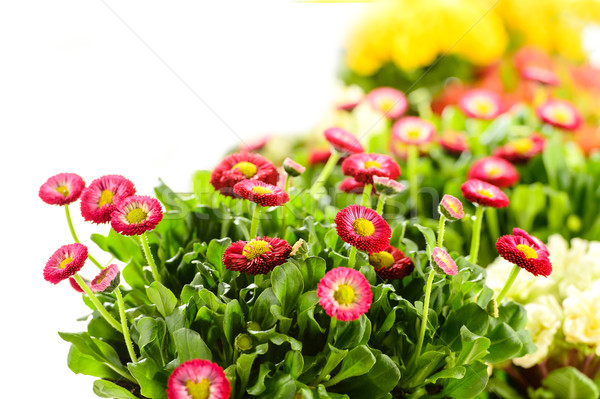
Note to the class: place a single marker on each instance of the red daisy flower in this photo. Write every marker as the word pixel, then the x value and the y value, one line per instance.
pixel 351 186
pixel 412 130
pixel 484 193
pixel 261 193
pixel 363 228
pixel 481 104
pixel 136 214
pixel 198 379
pixel 62 189
pixel 107 280
pixel 364 166
pixel 494 170
pixel 293 168
pixel 390 102
pixel 560 113
pixel 451 208
pixel 99 198
pixel 525 252
pixel 65 262
pixel 344 293
pixel 387 186
pixel 391 264
pixel 444 261
pixel 540 75
pixel 522 233
pixel 257 256
pixel 342 141
pixel 242 166
pixel 523 149
pixel 453 142
pixel 318 156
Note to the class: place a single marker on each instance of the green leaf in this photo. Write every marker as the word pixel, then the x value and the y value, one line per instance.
pixel 294 363
pixel 233 321
pixel 259 387
pixel 429 237
pixel 190 345
pixel 505 344
pixel 313 270
pixel 470 385
pixel 146 372
pixel 96 349
pixel 214 253
pixel 376 384
pixel 287 284
pixel 470 315
pixel 107 389
pixel 570 383
pixel 162 297
pixel 457 372
pixel 474 347
pixel 88 365
pixel 358 361
pixel 124 248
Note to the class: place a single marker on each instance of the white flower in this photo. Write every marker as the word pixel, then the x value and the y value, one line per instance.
pixel 582 315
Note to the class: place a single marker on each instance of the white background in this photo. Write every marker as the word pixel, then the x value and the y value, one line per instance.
pixel 80 92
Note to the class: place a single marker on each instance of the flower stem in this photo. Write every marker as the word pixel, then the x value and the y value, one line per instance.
pixel 149 258
pixel 411 165
pixel 332 325
pixel 255 219
pixel 366 195
pixel 352 258
pixel 511 279
pixel 70 222
pixel 331 162
pixel 111 320
pixel 380 204
pixel 491 219
pixel 283 208
pixel 425 314
pixel 441 231
pixel 124 326
pixel 476 238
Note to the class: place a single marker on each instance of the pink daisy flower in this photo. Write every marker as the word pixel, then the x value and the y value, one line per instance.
pixel 62 189
pixel 261 193
pixel 400 149
pixel 242 166
pixel 198 379
pixel 390 102
pixel 136 214
pixel 524 251
pixel 523 149
pixel 522 233
pixel 293 168
pixel 256 144
pixel 364 166
pixel 344 293
pixel 75 285
pixel 107 280
pixel 412 130
pixel 99 198
pixel 444 261
pixel 387 186
pixel 481 104
pixel 539 75
pixel 258 256
pixel 560 113
pixel 391 264
pixel 451 208
pixel 342 141
pixel 363 228
pixel 453 142
pixel 351 186
pixel 483 193
pixel 494 170
pixel 65 262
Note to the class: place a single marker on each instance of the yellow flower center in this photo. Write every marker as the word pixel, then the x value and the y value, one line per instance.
pixel 381 259
pixel 363 227
pixel 63 190
pixel 136 216
pixel 386 104
pixel 561 115
pixel 248 169
pixel 255 248
pixel 485 193
pixel 260 190
pixel 344 294
pixel 200 390
pixel 452 205
pixel 106 198
pixel 494 170
pixel 65 262
pixel 372 164
pixel 413 133
pixel 522 145
pixel 482 107
pixel 527 251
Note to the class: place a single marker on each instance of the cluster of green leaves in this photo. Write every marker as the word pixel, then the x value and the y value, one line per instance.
pixel 269 333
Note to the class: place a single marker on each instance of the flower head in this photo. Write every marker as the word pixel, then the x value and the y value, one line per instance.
pixel 483 193
pixel 525 252
pixel 481 104
pixel 292 168
pixel 257 256
pixel 443 261
pixel 75 285
pixel 198 379
pixel 65 262
pixel 494 170
pixel 400 149
pixel 242 166
pixel 560 113
pixel 453 142
pixel 364 166
pixel 99 198
pixel 107 280
pixel 261 193
pixel 344 293
pixel 351 186
pixel 62 189
pixel 317 156
pixel 342 141
pixel 412 130
pixel 540 75
pixel 390 102
pixel 523 149
pixel 391 264
pixel 363 228
pixel 451 208
pixel 387 186
pixel 522 233
pixel 136 215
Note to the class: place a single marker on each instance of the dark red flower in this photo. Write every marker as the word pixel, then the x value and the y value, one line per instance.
pixel 258 256
pixel 242 166
pixel 364 166
pixel 363 228
pixel 484 193
pixel 391 264
pixel 351 186
pixel 525 252
pixel 494 170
